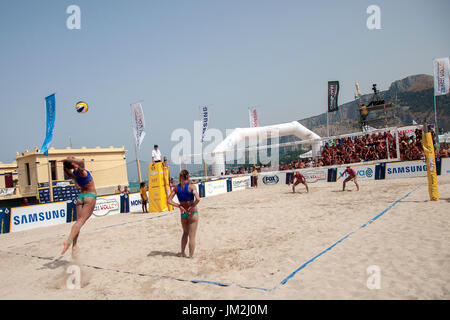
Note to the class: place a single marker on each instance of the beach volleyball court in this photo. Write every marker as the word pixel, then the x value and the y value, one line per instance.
pixel 248 243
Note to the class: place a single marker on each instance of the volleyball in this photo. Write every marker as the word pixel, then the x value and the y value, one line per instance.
pixel 81 107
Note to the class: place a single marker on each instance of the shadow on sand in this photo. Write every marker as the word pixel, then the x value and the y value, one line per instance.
pixel 162 253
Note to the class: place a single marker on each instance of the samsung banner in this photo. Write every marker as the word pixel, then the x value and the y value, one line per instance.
pixel 441 76
pixel 362 171
pixel 406 169
pixel 30 217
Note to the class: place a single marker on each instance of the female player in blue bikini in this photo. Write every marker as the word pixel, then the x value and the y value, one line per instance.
pixel 86 199
pixel 188 197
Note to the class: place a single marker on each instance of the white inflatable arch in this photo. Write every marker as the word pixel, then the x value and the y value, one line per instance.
pixel 240 134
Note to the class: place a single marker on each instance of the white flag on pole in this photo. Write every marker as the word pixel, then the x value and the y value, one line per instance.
pixel 441 76
pixel 253 117
pixel 204 116
pixel 138 123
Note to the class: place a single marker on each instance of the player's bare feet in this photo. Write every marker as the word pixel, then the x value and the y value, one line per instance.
pixel 181 254
pixel 66 246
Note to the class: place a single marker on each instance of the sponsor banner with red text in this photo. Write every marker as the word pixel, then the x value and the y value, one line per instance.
pixel 240 183
pixel 107 206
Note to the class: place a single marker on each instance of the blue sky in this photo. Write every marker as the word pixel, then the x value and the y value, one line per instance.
pixel 178 55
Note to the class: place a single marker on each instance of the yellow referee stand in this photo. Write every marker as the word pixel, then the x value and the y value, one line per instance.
pixel 158 187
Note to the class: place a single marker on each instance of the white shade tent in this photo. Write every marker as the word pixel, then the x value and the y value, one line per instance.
pixel 240 134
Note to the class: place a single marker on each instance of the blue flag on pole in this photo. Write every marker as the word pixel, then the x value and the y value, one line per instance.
pixel 50 103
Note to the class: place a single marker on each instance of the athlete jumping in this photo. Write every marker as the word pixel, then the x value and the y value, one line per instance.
pixel 86 199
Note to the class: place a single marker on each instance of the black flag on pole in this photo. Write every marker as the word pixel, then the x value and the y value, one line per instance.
pixel 333 92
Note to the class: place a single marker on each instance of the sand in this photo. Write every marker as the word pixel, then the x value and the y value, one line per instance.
pixel 250 238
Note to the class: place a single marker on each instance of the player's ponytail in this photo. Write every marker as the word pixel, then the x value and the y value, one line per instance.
pixel 183 176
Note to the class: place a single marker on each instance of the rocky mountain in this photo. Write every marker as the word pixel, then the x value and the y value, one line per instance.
pixel 413 100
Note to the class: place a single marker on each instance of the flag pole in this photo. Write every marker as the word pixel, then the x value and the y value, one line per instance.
pixel 204 164
pixel 328 131
pixel 50 182
pixel 138 164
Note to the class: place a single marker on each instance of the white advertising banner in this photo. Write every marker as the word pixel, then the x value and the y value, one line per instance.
pixel 253 117
pixel 138 123
pixel 406 169
pixel 441 76
pixel 409 130
pixel 315 175
pixel 240 183
pixel 445 166
pixel 362 171
pixel 216 187
pixel 43 215
pixel 106 206
pixel 7 191
pixel 271 179
pixel 135 202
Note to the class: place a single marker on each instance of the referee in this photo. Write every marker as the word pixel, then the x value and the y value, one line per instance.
pixel 156 154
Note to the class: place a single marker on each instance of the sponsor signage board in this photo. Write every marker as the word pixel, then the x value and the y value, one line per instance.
pixel 406 169
pixel 240 183
pixel 106 206
pixel 216 187
pixel 271 178
pixel 44 215
pixel 362 171
pixel 445 166
pixel 315 175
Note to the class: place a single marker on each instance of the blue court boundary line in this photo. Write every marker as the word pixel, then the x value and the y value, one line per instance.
pixel 283 282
